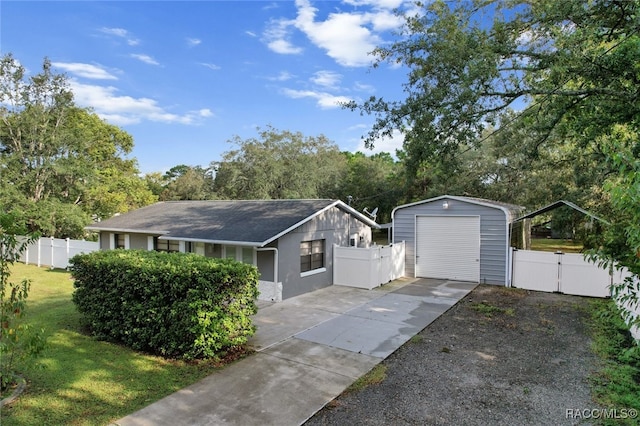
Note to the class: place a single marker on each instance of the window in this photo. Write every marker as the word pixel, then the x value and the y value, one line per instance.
pixel 241 254
pixel 167 245
pixel 118 241
pixel 311 255
pixel 247 255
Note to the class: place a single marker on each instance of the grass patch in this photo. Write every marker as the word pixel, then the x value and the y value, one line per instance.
pixel 79 380
pixel 489 310
pixel 416 338
pixel 553 245
pixel 375 376
pixel 617 383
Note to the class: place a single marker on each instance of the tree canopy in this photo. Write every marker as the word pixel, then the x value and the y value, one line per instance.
pixel 278 164
pixel 569 67
pixel 60 165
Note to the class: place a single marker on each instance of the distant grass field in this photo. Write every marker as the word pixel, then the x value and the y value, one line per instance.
pixel 552 244
pixel 79 380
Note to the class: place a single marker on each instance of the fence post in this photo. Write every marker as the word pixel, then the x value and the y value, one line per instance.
pixel 52 247
pixel 39 251
pixel 559 253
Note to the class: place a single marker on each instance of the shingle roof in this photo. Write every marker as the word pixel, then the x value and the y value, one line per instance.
pixel 246 221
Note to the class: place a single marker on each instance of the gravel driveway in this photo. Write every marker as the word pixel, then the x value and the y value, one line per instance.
pixel 499 357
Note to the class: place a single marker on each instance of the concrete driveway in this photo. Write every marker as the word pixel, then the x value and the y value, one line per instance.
pixel 310 348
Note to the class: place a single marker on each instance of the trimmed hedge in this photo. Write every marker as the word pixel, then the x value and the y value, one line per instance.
pixel 176 305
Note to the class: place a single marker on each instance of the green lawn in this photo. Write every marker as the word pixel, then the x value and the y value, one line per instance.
pixel 552 244
pixel 79 380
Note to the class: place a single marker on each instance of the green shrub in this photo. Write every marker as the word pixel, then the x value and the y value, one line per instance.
pixel 616 385
pixel 172 304
pixel 19 343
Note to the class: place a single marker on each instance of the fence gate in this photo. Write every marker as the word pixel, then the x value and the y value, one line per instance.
pixel 368 267
pixel 567 273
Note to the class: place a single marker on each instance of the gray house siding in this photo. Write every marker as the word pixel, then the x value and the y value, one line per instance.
pixel 265 264
pixel 493 234
pixel 138 242
pixel 334 226
pixel 104 240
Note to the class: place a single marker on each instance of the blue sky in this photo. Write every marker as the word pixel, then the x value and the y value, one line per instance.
pixel 185 77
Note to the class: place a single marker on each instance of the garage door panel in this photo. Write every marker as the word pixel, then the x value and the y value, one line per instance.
pixel 448 247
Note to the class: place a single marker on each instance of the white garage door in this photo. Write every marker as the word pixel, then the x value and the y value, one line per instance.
pixel 448 247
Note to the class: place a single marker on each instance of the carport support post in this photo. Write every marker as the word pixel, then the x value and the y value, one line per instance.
pixel 510 261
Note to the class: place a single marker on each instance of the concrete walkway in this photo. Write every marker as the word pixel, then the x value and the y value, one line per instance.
pixel 310 348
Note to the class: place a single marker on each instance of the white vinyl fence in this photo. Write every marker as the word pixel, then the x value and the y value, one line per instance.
pixel 571 273
pixel 56 252
pixel 567 273
pixel 367 267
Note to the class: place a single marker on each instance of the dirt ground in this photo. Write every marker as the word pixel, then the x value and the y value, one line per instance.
pixel 498 357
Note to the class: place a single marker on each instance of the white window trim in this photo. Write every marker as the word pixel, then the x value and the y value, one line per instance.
pixel 313 272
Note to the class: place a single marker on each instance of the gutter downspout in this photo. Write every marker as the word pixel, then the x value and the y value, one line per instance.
pixel 275 270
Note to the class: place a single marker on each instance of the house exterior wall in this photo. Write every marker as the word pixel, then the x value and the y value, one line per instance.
pixel 265 264
pixel 134 241
pixel 138 242
pixel 334 226
pixel 104 240
pixel 493 234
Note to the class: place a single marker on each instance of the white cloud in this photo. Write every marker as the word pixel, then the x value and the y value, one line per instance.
pixel 362 87
pixel 343 36
pixel 324 100
pixel 347 37
pixel 91 71
pixel 121 33
pixel 385 4
pixel 210 66
pixel 385 144
pixel 384 20
pixel 193 42
pixel 145 58
pixel 251 33
pixel 122 110
pixel 327 79
pixel 282 76
pixel 284 47
pixel 206 112
pixel 277 37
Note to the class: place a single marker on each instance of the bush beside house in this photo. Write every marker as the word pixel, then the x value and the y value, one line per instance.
pixel 174 304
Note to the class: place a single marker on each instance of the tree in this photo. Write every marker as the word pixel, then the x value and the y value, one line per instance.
pixel 33 114
pixel 182 182
pixel 278 165
pixel 370 182
pixel 188 183
pixel 65 165
pixel 570 67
